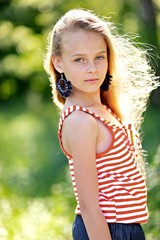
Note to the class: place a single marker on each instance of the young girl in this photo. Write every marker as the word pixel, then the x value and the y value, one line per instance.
pixel 101 82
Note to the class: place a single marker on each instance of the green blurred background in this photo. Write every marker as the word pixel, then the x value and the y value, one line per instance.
pixel 36 196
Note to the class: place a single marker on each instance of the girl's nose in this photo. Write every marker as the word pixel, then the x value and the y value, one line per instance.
pixel 91 67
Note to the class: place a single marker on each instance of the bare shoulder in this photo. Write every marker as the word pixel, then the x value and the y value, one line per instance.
pixel 78 121
pixel 79 130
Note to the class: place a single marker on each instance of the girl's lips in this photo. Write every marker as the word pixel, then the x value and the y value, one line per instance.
pixel 91 80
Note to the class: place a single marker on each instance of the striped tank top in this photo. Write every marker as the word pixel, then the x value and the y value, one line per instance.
pixel 122 190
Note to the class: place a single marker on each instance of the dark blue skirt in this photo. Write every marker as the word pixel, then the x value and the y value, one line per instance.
pixel 119 231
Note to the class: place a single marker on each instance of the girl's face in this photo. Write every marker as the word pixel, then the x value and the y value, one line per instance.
pixel 84 60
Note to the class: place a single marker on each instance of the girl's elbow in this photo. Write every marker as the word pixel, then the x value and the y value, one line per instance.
pixel 88 207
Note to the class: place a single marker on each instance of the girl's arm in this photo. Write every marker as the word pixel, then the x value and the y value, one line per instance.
pixel 80 131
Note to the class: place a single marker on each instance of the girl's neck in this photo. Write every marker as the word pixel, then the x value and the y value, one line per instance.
pixel 83 99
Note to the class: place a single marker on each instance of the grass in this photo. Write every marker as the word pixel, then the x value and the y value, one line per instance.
pixel 37 199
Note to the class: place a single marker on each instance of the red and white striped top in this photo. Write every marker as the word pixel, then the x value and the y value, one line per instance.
pixel 122 190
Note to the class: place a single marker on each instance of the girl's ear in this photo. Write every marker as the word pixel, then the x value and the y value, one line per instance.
pixel 57 63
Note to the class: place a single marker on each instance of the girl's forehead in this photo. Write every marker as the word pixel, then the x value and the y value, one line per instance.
pixel 81 37
pixel 72 33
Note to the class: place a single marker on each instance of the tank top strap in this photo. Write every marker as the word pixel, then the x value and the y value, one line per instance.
pixel 133 136
pixel 130 130
pixel 73 108
pixel 66 113
pixel 114 115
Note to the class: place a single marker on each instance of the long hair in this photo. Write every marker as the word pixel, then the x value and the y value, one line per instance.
pixel 72 21
pixel 133 78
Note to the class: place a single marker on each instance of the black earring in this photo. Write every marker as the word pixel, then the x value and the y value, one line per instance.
pixel 106 83
pixel 64 87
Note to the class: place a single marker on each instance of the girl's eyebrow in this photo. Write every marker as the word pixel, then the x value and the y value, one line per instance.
pixel 83 54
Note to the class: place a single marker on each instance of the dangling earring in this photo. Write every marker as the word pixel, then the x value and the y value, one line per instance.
pixel 106 83
pixel 64 87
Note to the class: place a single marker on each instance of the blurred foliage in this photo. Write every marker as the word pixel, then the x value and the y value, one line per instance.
pixel 37 199
pixel 35 187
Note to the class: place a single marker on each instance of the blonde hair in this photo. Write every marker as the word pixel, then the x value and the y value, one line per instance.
pixel 133 78
pixel 72 21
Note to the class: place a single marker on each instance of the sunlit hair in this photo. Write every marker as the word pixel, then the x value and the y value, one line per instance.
pixel 133 79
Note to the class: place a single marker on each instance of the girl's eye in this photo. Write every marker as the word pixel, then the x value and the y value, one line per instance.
pixel 79 60
pixel 100 57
